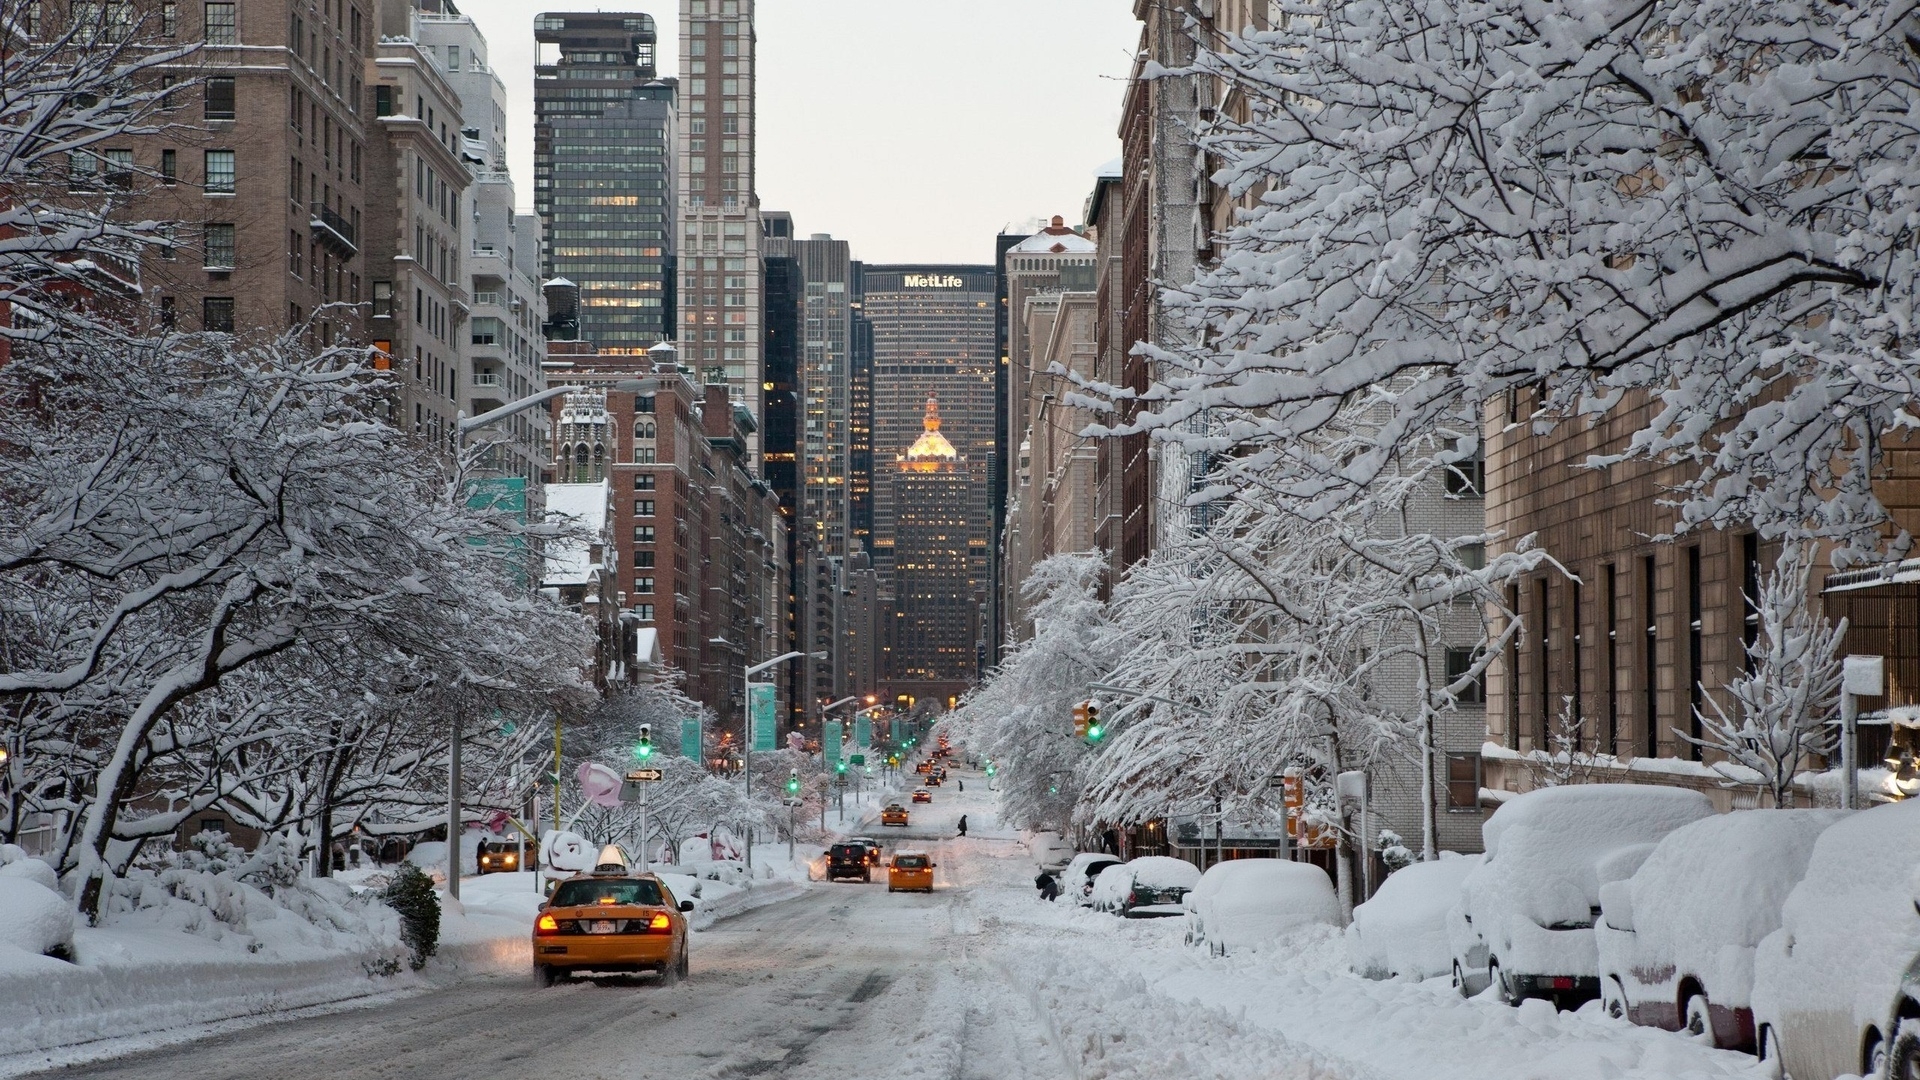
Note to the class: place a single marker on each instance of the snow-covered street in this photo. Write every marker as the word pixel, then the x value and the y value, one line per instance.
pixel 979 979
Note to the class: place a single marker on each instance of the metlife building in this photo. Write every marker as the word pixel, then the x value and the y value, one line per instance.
pixel 933 334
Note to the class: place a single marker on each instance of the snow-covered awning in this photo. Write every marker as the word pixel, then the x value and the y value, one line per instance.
pixel 646 647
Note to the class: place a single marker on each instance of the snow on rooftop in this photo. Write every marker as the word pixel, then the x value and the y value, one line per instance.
pixel 1057 243
pixel 1111 170
pixel 583 507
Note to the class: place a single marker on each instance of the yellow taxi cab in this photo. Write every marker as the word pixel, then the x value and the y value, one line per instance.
pixel 611 920
pixel 910 871
pixel 894 814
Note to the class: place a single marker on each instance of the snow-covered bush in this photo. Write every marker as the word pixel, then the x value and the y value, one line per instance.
pixel 35 919
pixel 410 893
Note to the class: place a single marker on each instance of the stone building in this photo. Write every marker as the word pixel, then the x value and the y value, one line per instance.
pixel 931 647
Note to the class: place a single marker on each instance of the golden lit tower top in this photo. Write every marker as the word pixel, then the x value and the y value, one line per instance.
pixel 931 450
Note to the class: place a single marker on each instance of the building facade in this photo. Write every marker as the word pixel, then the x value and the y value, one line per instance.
pixel 603 177
pixel 721 304
pixel 826 320
pixel 936 608
pixel 932 334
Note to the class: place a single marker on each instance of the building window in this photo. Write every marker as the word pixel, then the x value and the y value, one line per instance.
pixel 219 247
pixel 643 534
pixel 216 314
pixel 170 19
pixel 643 508
pixel 293 254
pixel 221 172
pixel 220 98
pixel 213 824
pixel 1463 783
pixel 1467 477
pixel 643 481
pixel 169 167
pixel 643 404
pixel 1459 662
pixel 643 586
pixel 383 101
pixel 643 612
pixel 119 168
pixel 383 299
pixel 223 27
pixel 643 560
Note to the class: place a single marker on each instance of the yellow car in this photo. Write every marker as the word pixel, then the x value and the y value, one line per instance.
pixel 894 814
pixel 614 920
pixel 910 871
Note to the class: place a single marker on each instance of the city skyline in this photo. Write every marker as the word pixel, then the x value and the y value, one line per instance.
pixel 1071 56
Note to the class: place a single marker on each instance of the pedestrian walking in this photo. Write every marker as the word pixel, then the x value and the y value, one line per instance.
pixel 963 824
pixel 963 785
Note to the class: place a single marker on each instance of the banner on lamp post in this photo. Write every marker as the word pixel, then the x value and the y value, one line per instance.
pixel 830 742
pixel 760 710
pixel 862 731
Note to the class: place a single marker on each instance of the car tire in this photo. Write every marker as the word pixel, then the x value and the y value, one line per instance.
pixel 542 976
pixel 1696 1020
pixel 1873 1063
pixel 1460 980
pixel 1766 1046
pixel 1497 978
pixel 1903 1061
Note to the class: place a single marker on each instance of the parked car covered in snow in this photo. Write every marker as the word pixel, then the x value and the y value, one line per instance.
pixel 1246 903
pixel 1677 939
pixel 1524 923
pixel 1051 852
pixel 1828 992
pixel 1076 881
pixel 1150 887
pixel 1402 932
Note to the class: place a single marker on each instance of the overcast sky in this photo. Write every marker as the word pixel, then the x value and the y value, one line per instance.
pixel 916 129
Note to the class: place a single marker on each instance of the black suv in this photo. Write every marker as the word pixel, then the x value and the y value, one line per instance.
pixel 848 861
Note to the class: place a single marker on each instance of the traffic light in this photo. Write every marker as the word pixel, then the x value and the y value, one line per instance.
pixel 1094 731
pixel 1080 719
pixel 839 766
pixel 991 769
pixel 793 782
pixel 643 749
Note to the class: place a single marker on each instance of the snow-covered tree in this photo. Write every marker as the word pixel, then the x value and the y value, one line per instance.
pixel 69 87
pixel 1022 716
pixel 1783 704
pixel 1567 211
pixel 187 508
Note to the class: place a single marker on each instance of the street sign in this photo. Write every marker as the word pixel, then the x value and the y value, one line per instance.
pixel 857 759
pixel 635 776
pixel 862 731
pixel 690 739
pixel 633 787
pixel 830 742
pixel 760 709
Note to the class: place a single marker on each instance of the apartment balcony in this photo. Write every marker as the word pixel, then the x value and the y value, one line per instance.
pixel 334 231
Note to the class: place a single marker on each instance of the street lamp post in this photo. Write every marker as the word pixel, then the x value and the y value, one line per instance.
pixel 464 426
pixel 746 732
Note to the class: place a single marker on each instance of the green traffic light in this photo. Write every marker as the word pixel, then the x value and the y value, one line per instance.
pixel 840 766
pixel 643 751
pixel 1095 733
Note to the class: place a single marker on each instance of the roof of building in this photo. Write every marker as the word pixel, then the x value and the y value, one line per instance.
pixel 582 507
pixel 931 448
pixel 1055 239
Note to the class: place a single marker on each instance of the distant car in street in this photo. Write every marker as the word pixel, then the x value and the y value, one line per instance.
pixel 1524 924
pixel 1246 903
pixel 614 920
pixel 1677 939
pixel 910 871
pixel 1150 887
pixel 894 814
pixel 922 795
pixel 848 861
pixel 872 847
pixel 1834 988
pixel 1076 881
pixel 503 856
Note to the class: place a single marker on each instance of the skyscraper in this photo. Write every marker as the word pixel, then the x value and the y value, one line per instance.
pixel 826 320
pixel 603 133
pixel 935 611
pixel 720 304
pixel 932 333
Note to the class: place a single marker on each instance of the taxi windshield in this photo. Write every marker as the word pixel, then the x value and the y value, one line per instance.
pixel 587 892
pixel 911 862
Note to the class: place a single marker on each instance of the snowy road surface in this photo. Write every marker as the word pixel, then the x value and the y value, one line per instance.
pixel 978 980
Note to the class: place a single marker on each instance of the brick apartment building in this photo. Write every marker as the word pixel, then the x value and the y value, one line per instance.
pixel 700 543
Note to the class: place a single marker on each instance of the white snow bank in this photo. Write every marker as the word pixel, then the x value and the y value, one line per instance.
pixel 1402 932
pixel 1848 929
pixel 1703 901
pixel 16 863
pixel 1248 903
